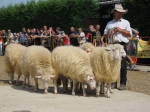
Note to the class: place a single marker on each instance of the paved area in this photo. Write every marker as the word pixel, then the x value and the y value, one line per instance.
pixel 141 68
pixel 15 99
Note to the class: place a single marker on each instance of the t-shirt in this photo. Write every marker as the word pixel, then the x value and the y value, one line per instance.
pixel 65 40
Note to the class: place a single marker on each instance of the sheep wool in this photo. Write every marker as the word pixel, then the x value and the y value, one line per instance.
pixel 13 59
pixel 74 63
pixel 86 46
pixel 37 62
pixel 105 67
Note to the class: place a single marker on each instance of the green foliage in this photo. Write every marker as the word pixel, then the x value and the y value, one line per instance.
pixel 139 15
pixel 62 13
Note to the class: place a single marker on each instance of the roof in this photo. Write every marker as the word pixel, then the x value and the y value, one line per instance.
pixel 104 2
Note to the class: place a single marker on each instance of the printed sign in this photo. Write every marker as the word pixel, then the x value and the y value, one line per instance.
pixel 138 48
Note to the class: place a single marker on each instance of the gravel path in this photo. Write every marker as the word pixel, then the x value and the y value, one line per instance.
pixel 15 99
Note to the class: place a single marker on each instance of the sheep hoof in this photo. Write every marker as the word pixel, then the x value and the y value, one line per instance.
pixel 36 90
pixel 17 84
pixel 84 95
pixel 29 85
pixel 107 96
pixel 45 92
pixel 73 94
pixel 97 95
pixel 10 82
pixel 111 92
pixel 102 92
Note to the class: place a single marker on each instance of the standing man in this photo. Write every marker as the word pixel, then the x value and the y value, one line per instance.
pixel 73 41
pixel 122 30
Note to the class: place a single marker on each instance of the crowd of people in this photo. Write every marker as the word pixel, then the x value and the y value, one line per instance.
pixel 47 36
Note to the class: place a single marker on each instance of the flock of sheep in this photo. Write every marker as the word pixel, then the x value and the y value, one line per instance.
pixel 93 69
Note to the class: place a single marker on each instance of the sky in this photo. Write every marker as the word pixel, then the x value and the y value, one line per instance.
pixel 7 2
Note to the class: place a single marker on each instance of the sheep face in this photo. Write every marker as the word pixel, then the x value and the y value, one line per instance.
pixel 90 80
pixel 45 79
pixel 113 53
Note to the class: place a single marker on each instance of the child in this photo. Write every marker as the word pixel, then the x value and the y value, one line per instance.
pixel 64 38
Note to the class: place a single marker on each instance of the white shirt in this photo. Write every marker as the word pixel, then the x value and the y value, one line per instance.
pixel 123 24
pixel 82 35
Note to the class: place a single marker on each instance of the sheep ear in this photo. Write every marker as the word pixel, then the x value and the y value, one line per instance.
pixel 39 77
pixel 107 49
pixel 88 77
pixel 51 76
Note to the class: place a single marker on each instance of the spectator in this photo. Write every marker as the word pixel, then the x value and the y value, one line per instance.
pixel 82 39
pixel 23 36
pixel 64 38
pixel 10 36
pixel 1 52
pixel 92 34
pixel 73 41
pixel 98 34
pixel 16 36
pixel 45 28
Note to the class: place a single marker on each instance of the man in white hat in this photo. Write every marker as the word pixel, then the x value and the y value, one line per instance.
pixel 122 31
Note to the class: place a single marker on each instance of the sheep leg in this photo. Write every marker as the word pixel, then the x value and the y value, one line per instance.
pixel 29 81
pixel 98 89
pixel 80 86
pixel 36 85
pixel 77 86
pixel 55 86
pixel 88 89
pixel 24 83
pixel 108 92
pixel 17 82
pixel 102 88
pixel 74 87
pixel 83 88
pixel 64 84
pixel 11 78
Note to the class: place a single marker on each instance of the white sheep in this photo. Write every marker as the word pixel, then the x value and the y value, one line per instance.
pixel 87 46
pixel 13 61
pixel 37 63
pixel 74 63
pixel 106 63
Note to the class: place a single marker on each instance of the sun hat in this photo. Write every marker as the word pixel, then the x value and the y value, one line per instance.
pixel 119 8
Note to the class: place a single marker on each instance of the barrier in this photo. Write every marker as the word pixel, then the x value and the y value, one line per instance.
pixel 138 48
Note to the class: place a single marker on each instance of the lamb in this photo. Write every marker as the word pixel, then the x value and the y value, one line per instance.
pixel 37 62
pixel 74 63
pixel 106 63
pixel 13 61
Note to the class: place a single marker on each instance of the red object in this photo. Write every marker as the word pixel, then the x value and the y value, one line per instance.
pixel 65 40
pixel 134 60
pixel 87 35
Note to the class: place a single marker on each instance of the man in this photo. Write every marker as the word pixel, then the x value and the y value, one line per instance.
pixel 23 36
pixel 98 34
pixel 122 30
pixel 73 41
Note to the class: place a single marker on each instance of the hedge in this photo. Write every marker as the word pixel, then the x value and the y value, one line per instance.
pixel 62 13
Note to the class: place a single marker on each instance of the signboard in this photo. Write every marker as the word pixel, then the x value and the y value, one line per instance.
pixel 138 48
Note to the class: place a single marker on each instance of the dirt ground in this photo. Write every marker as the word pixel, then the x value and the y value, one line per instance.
pixel 137 80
